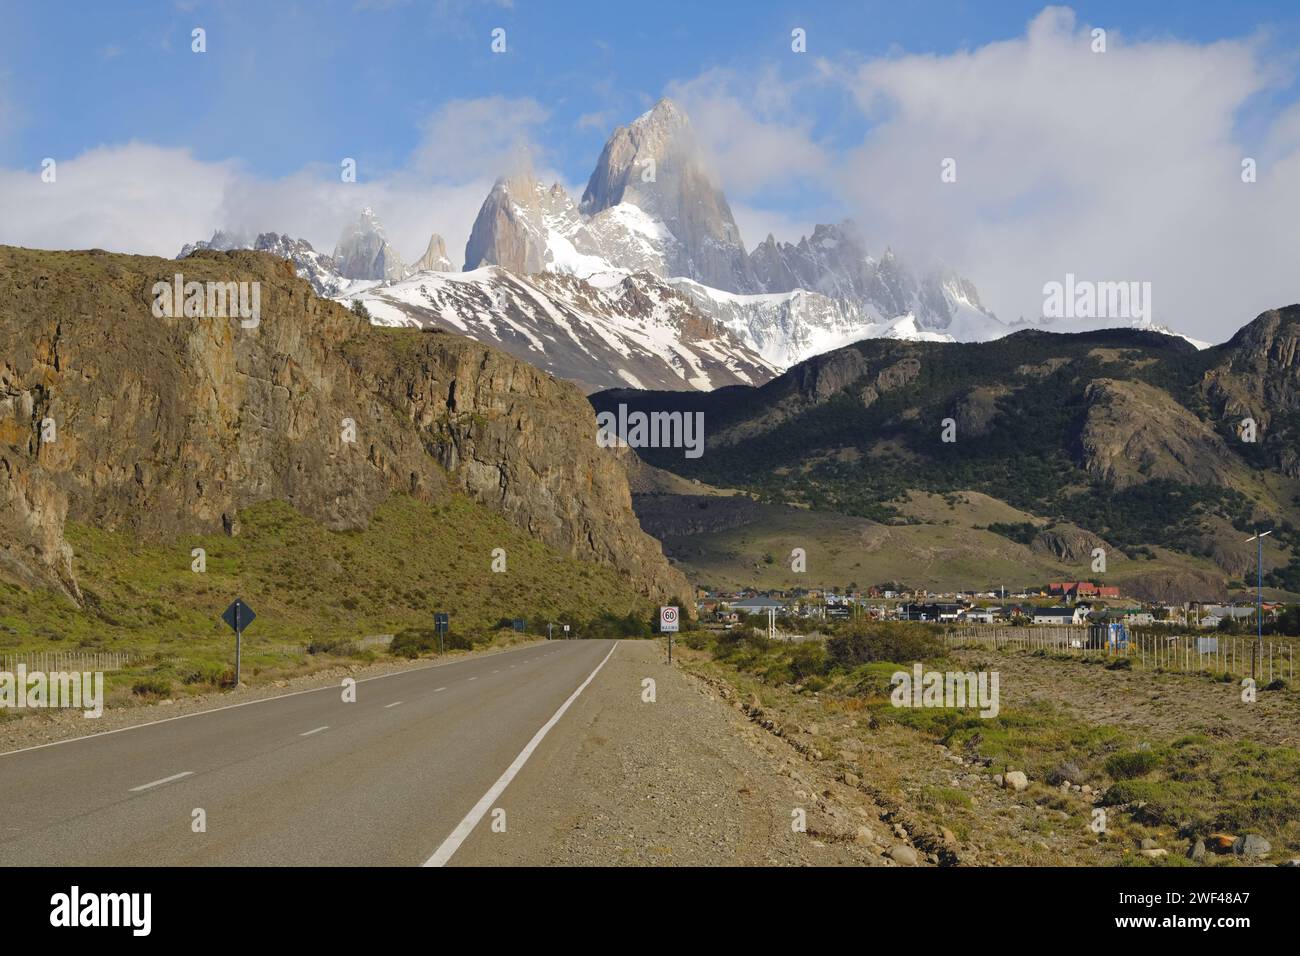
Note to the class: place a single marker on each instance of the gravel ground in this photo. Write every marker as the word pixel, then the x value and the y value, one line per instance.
pixel 687 780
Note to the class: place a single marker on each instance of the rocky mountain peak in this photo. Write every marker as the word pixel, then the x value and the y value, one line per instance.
pixel 434 258
pixel 655 164
pixel 363 251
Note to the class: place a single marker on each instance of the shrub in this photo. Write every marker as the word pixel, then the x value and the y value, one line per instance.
pixel 1137 763
pixel 214 674
pixel 865 642
pixel 414 641
pixel 332 645
pixel 152 687
pixel 808 659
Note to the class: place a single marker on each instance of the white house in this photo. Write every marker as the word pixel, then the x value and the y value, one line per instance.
pixel 1061 615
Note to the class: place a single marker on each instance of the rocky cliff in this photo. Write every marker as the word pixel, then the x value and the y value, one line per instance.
pixel 171 425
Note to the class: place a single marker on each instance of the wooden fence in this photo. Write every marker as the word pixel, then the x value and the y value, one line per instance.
pixel 51 661
pixel 1211 653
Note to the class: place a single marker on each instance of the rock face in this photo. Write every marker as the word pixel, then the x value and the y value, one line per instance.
pixel 1135 432
pixel 654 163
pixel 509 230
pixel 363 251
pixel 529 228
pixel 1067 543
pixel 1259 378
pixel 167 426
pixel 434 258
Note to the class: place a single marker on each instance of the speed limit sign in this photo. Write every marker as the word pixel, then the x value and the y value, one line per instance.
pixel 667 620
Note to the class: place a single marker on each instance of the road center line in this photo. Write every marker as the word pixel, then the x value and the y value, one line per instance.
pixel 396 703
pixel 316 731
pixel 467 825
pixel 159 783
pixel 438 689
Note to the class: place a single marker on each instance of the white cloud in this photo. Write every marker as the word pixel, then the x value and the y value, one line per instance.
pixel 755 223
pixel 465 137
pixel 130 198
pixel 747 128
pixel 1114 166
pixel 145 199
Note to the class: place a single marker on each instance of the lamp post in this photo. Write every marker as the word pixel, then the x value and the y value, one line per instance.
pixel 1259 603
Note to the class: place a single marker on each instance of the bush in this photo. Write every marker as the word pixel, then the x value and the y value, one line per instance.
pixel 332 645
pixel 152 687
pixel 808 659
pixel 1137 763
pixel 213 674
pixel 865 642
pixel 696 640
pixel 414 641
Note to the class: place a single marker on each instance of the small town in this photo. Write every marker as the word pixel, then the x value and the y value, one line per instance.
pixel 1072 603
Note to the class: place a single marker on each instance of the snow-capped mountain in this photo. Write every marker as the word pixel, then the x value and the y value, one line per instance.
pixel 434 258
pixel 366 256
pixel 655 165
pixel 363 251
pixel 646 281
pixel 316 267
pixel 633 329
pixel 526 227
pixel 651 206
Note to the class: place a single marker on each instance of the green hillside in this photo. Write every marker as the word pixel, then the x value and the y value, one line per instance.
pixel 308 586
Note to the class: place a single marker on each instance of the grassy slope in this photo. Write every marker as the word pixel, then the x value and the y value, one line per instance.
pixel 949 548
pixel 307 583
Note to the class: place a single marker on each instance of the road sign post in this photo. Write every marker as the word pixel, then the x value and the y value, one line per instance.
pixel 441 624
pixel 668 625
pixel 239 615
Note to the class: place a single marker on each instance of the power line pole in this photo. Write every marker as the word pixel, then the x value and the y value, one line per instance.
pixel 1259 604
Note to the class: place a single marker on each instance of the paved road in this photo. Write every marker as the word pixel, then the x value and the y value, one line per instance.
pixel 303 779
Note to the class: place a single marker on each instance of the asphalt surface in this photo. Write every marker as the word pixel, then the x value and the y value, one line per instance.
pixel 304 779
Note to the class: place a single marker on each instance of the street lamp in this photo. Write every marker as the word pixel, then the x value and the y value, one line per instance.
pixel 1259 606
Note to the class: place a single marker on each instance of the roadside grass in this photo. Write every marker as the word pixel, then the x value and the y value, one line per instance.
pixel 1189 786
pixel 317 593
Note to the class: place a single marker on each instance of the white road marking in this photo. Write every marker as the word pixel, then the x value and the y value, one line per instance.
pixel 316 731
pixel 159 783
pixel 438 689
pixel 467 825
pixel 473 678
pixel 396 703
pixel 250 703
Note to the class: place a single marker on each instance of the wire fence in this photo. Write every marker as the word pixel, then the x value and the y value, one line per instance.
pixel 1238 655
pixel 54 661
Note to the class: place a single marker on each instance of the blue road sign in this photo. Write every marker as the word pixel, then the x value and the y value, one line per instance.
pixel 239 615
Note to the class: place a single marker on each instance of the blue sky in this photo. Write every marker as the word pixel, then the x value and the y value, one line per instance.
pixel 254 129
pixel 286 84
